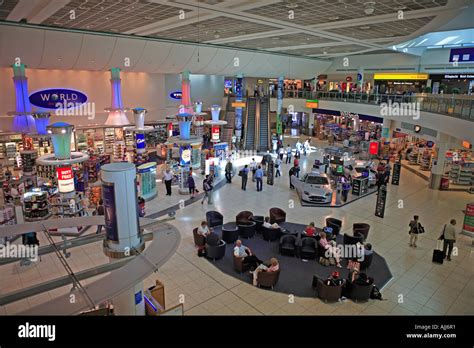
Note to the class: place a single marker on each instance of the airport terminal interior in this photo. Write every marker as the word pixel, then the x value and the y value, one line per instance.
pixel 237 157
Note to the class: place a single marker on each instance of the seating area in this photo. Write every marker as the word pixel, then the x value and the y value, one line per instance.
pixel 298 256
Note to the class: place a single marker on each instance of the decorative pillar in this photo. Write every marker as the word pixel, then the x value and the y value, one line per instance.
pixel 186 93
pixel 117 116
pixel 437 169
pixel 123 237
pixel 279 104
pixel 239 92
pixel 23 121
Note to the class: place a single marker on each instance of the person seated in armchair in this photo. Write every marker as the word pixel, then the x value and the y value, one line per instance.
pixel 204 230
pixel 331 249
pixel 249 258
pixel 334 279
pixel 274 266
pixel 310 230
pixel 267 224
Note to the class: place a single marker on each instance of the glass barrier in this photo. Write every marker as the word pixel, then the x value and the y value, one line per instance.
pixel 454 106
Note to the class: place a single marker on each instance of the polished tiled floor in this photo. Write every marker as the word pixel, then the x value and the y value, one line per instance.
pixel 418 287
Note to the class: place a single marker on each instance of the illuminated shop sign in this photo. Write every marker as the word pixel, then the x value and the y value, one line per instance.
pixel 215 132
pixel 458 76
pixel 466 144
pixel 57 98
pixel 65 179
pixel 374 148
pixel 238 104
pixel 176 95
pixel 312 104
pixel 401 76
pixel 461 54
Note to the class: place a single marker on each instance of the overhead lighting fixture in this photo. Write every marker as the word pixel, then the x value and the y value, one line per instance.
pixel 364 27
pixel 149 18
pixel 333 18
pixel 291 4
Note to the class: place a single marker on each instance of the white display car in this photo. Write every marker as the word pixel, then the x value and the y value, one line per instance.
pixel 313 187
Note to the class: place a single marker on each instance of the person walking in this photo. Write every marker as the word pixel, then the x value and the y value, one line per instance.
pixel 253 168
pixel 100 212
pixel 191 184
pixel 259 178
pixel 245 175
pixel 290 174
pixel 296 165
pixel 281 152
pixel 449 238
pixel 207 187
pixel 288 154
pixel 167 178
pixel 278 163
pixel 415 229
pixel 228 172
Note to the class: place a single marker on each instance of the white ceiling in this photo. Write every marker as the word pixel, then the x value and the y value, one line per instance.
pixel 311 28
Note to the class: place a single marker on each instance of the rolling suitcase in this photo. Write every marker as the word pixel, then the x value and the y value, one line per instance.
pixel 438 256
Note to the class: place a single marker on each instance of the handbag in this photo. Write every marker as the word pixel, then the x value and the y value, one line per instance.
pixel 240 172
pixel 442 234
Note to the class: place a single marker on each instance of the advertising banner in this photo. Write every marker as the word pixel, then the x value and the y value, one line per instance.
pixel 215 133
pixel 65 179
pixel 140 141
pixel 469 218
pixel 185 155
pixel 110 208
pixel 374 148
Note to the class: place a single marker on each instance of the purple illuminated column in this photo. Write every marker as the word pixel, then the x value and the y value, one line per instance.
pixel 186 93
pixel 23 121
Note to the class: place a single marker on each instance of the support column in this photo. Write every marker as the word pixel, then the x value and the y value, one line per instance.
pixel 437 169
pixel 360 78
pixel 386 129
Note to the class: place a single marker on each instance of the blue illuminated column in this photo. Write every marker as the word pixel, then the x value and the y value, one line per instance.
pixel 23 121
pixel 198 107
pixel 61 133
pixel 41 121
pixel 279 104
pixel 184 125
pixel 123 237
pixel 239 92
pixel 215 110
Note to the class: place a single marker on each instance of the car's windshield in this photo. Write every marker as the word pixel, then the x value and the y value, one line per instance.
pixel 316 180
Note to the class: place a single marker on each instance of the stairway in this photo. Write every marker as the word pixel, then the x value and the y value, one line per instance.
pixel 264 132
pixel 251 110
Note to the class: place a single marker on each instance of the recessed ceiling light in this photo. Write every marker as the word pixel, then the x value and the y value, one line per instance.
pixel 364 27
pixel 149 18
pixel 400 7
pixel 291 4
pixel 333 18
pixel 275 38
pixel 241 32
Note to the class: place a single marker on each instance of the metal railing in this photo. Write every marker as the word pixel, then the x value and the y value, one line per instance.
pixel 451 105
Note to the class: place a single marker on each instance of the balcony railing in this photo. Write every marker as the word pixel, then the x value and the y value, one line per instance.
pixel 451 105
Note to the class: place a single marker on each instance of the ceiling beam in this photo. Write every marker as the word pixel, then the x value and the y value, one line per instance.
pixel 23 10
pixel 47 11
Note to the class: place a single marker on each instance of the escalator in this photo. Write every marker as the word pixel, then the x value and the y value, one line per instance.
pixel 250 118
pixel 264 125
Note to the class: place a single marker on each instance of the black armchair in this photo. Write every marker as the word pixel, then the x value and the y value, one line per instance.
pixel 230 233
pixel 352 239
pixel 361 228
pixel 308 249
pixel 243 216
pixel 258 219
pixel 360 292
pixel 268 279
pixel 270 234
pixel 214 218
pixel 335 224
pixel 199 240
pixel 288 245
pixel 215 252
pixel 247 230
pixel 277 215
pixel 327 292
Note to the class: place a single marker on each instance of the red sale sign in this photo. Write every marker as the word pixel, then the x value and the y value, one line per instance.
pixel 65 179
pixel 374 148
pixel 469 218
pixel 215 133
